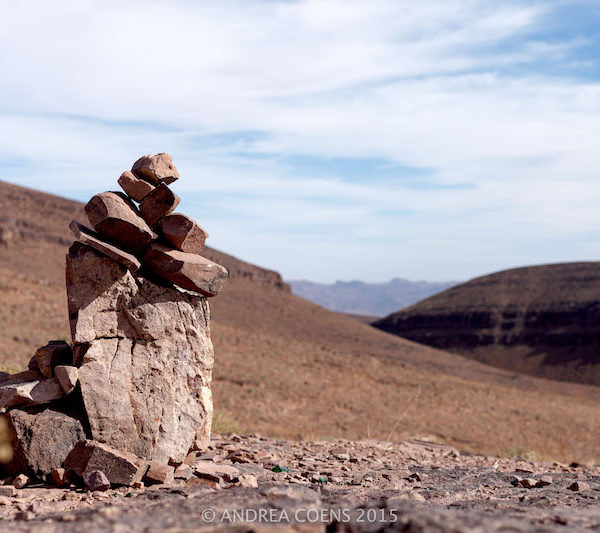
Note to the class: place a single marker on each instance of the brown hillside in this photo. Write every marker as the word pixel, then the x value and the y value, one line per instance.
pixel 541 320
pixel 287 367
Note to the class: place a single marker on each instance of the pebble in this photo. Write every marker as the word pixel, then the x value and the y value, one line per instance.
pixel 20 481
pixel 579 486
pixel 544 481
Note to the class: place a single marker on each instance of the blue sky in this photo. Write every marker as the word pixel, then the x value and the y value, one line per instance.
pixel 327 139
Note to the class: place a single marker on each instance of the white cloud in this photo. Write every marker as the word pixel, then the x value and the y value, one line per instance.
pixel 458 87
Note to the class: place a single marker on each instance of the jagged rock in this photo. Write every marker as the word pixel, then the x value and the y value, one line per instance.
pixel 190 271
pixel 135 187
pixel 183 233
pixel 121 468
pixel 113 215
pixel 145 378
pixel 42 439
pixel 67 376
pixel 184 472
pixel 61 477
pixel 156 168
pixel 96 481
pixel 53 354
pixel 159 473
pixel 161 202
pixel 37 392
pixel 87 236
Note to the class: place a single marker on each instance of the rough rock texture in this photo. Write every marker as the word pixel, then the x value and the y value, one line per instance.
pixel 156 168
pixel 136 188
pixel 43 439
pixel 413 486
pixel 160 202
pixel 53 354
pixel 29 393
pixel 145 378
pixel 67 376
pixel 114 216
pixel 543 320
pixel 183 233
pixel 96 481
pixel 87 236
pixel 190 271
pixel 121 468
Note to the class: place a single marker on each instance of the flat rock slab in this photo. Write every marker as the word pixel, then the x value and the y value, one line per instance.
pixel 43 439
pixel 115 217
pixel 89 237
pixel 145 378
pixel 156 169
pixel 183 233
pixel 190 271
pixel 121 468
pixel 30 393
pixel 136 188
pixel 160 202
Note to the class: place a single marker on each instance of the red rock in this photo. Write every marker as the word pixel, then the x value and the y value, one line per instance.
pixel 184 471
pixel 190 271
pixel 113 215
pixel 161 202
pixel 87 236
pixel 61 477
pixel 121 468
pixel 136 188
pixel 156 168
pixel 159 473
pixel 183 233
pixel 53 354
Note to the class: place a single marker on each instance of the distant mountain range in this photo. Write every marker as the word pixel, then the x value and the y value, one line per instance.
pixel 372 299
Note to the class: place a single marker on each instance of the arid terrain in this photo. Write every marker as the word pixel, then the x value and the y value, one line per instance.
pixel 540 320
pixel 249 482
pixel 287 368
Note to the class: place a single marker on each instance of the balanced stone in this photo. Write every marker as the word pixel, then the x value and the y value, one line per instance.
pixel 160 202
pixel 190 271
pixel 53 354
pixel 145 377
pixel 37 392
pixel 136 188
pixel 183 233
pixel 113 215
pixel 67 376
pixel 87 236
pixel 156 168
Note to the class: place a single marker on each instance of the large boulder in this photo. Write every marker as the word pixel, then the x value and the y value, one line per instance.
pixel 145 377
pixel 42 439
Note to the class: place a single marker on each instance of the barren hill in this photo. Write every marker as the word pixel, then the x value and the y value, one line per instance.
pixel 542 320
pixel 286 367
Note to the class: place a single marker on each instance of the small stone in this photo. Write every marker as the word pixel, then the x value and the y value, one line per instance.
pixel 53 354
pixel 210 469
pixel 544 481
pixel 159 473
pixel 191 458
pixel 67 376
pixel 135 187
pixel 528 483
pixel 138 485
pixel 7 491
pixel 340 454
pixel 183 233
pixel 91 238
pixel 247 480
pixel 161 202
pixel 24 516
pixel 20 481
pixel 156 168
pixel 61 477
pixel 579 486
pixel 96 480
pixel 190 271
pixel 184 471
pixel 121 468
pixel 113 215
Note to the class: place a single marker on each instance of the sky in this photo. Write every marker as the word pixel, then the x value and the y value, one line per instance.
pixel 326 139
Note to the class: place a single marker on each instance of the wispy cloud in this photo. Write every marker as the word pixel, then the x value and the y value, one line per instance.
pixel 326 138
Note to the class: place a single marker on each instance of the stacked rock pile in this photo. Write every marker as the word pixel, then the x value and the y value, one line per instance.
pixel 130 398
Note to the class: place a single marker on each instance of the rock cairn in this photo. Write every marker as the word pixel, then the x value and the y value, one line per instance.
pixel 130 398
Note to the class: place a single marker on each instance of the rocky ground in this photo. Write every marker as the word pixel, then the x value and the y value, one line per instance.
pixel 250 482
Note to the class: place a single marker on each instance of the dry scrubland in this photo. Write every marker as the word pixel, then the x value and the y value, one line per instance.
pixel 286 367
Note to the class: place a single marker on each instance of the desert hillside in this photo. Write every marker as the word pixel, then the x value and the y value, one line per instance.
pixel 287 367
pixel 541 320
